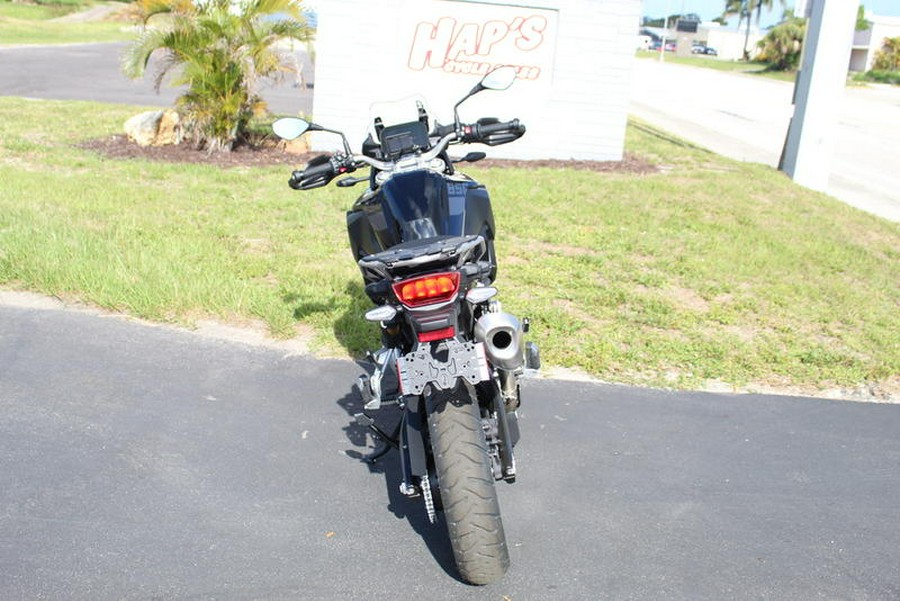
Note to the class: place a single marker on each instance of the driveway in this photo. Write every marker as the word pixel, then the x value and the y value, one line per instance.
pixel 143 462
pixel 746 117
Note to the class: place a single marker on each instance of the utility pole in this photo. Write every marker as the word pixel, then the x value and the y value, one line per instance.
pixel 662 47
pixel 819 92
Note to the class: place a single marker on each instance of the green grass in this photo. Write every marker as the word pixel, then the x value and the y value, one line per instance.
pixel 40 10
pixel 720 65
pixel 31 23
pixel 709 270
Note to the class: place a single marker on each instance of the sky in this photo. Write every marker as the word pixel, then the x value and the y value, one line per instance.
pixel 710 9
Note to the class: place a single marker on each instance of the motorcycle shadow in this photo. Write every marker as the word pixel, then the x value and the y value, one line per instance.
pixel 413 510
pixel 351 329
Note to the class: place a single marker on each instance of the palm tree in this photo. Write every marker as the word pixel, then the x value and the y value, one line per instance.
pixel 220 49
pixel 736 7
pixel 781 46
pixel 745 9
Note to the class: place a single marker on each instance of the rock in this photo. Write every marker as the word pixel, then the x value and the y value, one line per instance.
pixel 297 146
pixel 142 127
pixel 154 128
pixel 168 131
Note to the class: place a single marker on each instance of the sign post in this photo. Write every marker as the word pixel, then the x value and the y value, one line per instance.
pixel 818 93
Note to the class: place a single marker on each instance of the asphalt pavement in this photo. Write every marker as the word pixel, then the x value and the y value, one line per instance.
pixel 94 72
pixel 144 462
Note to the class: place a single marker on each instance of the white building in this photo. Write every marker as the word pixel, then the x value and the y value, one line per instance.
pixel 574 57
pixel 867 43
pixel 729 42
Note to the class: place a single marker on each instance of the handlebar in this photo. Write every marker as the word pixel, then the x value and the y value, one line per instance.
pixel 493 132
pixel 322 169
pixel 443 130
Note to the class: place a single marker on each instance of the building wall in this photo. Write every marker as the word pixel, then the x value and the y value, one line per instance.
pixel 859 59
pixel 868 42
pixel 729 43
pixel 575 59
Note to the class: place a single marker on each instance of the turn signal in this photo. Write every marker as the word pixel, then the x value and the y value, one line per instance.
pixel 427 290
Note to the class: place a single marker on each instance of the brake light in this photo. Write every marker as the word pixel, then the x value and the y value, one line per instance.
pixel 427 290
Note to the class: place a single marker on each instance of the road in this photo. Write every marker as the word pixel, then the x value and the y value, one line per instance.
pixel 746 118
pixel 144 462
pixel 94 72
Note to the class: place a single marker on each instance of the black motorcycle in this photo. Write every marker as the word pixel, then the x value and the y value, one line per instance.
pixel 423 237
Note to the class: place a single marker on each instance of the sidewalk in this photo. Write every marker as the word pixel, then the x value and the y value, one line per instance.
pixel 746 117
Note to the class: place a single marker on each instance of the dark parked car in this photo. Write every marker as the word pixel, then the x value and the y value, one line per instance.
pixel 704 49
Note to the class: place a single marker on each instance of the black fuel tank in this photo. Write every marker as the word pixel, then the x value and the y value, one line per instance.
pixel 418 205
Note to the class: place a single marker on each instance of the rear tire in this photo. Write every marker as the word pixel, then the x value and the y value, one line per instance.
pixel 466 481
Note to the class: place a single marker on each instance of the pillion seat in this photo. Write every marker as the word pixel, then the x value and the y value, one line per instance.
pixel 420 256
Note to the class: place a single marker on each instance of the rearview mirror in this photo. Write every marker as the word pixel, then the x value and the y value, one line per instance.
pixel 499 79
pixel 289 128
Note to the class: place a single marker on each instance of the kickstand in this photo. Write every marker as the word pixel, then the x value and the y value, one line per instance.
pixel 380 451
pixel 386 441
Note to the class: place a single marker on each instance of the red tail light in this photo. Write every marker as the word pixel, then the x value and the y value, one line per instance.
pixel 427 290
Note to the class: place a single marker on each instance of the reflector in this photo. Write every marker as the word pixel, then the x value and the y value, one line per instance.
pixel 441 334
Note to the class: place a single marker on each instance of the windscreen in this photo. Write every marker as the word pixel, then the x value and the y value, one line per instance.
pixel 393 112
pixel 400 126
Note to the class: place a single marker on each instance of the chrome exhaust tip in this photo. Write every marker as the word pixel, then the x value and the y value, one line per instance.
pixel 503 338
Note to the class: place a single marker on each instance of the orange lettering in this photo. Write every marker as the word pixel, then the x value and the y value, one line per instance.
pixel 531 33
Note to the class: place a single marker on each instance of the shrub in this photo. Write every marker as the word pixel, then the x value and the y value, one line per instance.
pixel 888 58
pixel 221 50
pixel 891 77
pixel 780 49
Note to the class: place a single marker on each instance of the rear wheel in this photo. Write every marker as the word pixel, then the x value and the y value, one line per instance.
pixel 466 481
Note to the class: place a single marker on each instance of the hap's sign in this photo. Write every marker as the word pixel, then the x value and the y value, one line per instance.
pixel 498 36
pixel 573 60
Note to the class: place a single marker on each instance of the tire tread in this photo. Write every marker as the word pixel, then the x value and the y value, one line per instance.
pixel 466 480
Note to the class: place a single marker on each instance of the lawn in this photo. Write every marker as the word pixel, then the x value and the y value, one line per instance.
pixel 708 271
pixel 40 11
pixel 36 23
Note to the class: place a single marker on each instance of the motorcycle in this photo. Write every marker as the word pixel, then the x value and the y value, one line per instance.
pixel 451 359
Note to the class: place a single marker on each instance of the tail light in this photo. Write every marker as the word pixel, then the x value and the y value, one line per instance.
pixel 427 290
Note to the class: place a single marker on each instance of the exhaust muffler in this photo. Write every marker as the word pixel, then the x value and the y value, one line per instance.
pixel 503 338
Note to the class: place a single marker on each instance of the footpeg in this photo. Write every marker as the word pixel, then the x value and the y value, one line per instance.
pixel 408 490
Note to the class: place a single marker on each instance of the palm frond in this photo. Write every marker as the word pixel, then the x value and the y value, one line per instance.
pixel 137 55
